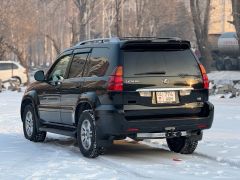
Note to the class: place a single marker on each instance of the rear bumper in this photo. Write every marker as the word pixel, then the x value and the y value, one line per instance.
pixel 111 122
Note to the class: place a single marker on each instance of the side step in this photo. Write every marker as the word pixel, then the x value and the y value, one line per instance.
pixel 60 130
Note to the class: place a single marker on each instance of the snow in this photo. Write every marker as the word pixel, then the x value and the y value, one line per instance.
pixel 224 75
pixel 217 156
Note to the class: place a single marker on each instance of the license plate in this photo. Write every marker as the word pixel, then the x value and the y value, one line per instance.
pixel 166 97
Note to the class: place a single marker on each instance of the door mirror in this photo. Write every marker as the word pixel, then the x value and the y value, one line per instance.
pixel 39 76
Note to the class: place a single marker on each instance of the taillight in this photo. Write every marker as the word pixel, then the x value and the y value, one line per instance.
pixel 204 77
pixel 115 81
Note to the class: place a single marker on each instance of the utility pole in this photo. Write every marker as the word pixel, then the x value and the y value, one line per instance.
pixel 223 15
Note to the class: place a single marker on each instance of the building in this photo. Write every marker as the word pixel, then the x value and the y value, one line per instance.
pixel 220 15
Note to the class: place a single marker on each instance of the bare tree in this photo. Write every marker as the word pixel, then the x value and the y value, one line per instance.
pixel 3 48
pixel 140 6
pixel 55 44
pixel 118 17
pixel 34 32
pixel 85 9
pixel 200 11
pixel 236 18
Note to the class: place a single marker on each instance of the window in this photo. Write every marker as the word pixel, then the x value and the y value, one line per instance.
pixel 173 63
pixel 59 70
pixel 97 64
pixel 77 65
pixel 8 66
pixel 14 66
pixel 4 66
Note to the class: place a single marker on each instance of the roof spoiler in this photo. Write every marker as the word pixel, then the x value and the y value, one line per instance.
pixel 156 44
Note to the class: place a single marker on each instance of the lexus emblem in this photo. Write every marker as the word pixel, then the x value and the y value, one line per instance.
pixel 165 81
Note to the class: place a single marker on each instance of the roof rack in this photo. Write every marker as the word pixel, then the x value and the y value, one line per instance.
pixel 152 38
pixel 118 39
pixel 99 40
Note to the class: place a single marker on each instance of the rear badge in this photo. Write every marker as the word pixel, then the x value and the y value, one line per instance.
pixel 165 81
pixel 132 81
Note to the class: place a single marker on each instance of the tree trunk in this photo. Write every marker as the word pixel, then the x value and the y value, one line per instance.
pixel 55 44
pixel 118 17
pixel 201 30
pixel 236 18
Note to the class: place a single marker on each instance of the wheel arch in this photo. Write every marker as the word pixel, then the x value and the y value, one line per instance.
pixel 88 101
pixel 29 98
pixel 82 106
pixel 17 77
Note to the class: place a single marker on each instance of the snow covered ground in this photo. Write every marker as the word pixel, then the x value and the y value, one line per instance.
pixel 217 156
pixel 224 75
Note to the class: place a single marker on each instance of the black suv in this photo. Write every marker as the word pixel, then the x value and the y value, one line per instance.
pixel 109 89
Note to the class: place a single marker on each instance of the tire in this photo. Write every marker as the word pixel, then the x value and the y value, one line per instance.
pixel 29 125
pixel 87 135
pixel 228 65
pixel 18 80
pixel 219 65
pixel 183 145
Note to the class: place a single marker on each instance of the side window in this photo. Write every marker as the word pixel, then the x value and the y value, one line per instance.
pixel 78 62
pixel 97 64
pixel 3 66
pixel 6 66
pixel 60 69
pixel 14 66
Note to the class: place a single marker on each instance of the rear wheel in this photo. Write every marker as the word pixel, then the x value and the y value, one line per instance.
pixel 183 145
pixel 86 135
pixel 29 126
pixel 219 65
pixel 228 65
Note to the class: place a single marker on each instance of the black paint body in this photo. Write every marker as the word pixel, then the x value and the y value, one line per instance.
pixel 58 103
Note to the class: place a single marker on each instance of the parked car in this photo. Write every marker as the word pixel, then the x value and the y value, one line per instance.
pixel 109 89
pixel 11 69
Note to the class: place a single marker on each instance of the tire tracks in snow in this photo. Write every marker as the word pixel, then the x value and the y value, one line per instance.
pixel 121 168
pixel 102 161
pixel 218 159
pixel 201 155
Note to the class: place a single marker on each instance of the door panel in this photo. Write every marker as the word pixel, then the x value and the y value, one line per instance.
pixel 49 108
pixel 50 97
pixel 6 71
pixel 71 87
pixel 5 74
pixel 70 94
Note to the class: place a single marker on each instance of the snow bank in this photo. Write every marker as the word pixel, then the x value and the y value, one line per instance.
pixel 226 83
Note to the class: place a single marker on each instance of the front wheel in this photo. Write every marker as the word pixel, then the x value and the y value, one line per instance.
pixel 183 145
pixel 17 81
pixel 87 135
pixel 29 126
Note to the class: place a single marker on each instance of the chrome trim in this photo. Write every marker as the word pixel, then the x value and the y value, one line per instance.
pixel 165 89
pixel 158 135
pixel 187 105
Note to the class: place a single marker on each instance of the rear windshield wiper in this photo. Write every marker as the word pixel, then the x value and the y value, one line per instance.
pixel 152 72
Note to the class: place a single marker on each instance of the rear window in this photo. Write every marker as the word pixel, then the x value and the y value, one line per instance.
pixel 162 63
